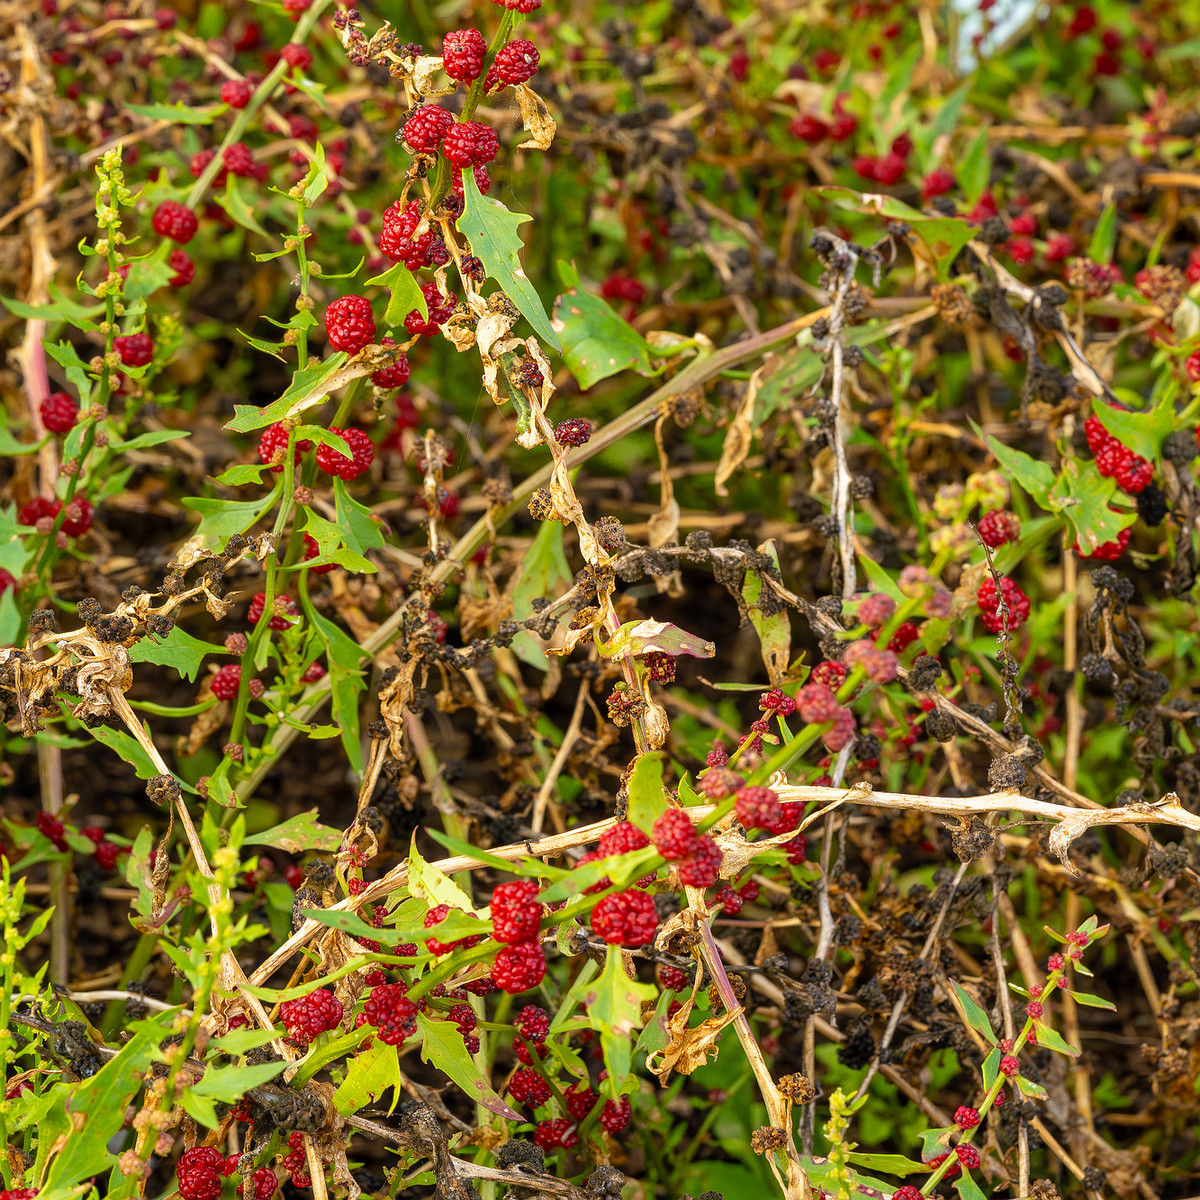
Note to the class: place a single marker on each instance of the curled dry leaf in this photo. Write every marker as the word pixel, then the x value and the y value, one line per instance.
pixel 688 1047
pixel 645 637
pixel 535 116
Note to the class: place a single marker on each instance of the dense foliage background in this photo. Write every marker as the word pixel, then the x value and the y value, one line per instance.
pixel 599 600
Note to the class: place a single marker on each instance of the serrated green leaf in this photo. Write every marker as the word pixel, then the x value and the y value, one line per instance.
pixel 369 1074
pixel 239 1041
pixel 442 1047
pixel 316 181
pixel 222 519
pixel 596 341
pixel 492 231
pixel 1082 495
pixel 241 474
pixel 647 797
pixel 406 295
pixel 178 650
pixel 613 1003
pixel 148 274
pixel 307 382
pixel 976 1017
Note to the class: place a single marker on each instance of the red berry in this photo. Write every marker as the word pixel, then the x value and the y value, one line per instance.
pixel 580 1101
pixel 135 349
pixel 175 221
pixel 272 446
pixel 265 1183
pixel 907 1192
pixel 989 605
pixel 334 462
pixel 558 1131
pixel 1192 366
pixel 1022 251
pixel 515 62
pixel 521 6
pixel 107 854
pixel 1109 551
pixel 968 1156
pixel 59 412
pixel 622 838
pixel 816 702
pixel 519 968
pixel 937 183
pixel 1009 1065
pixel 49 825
pixel 701 867
pixel 533 1023
pixel 966 1118
pixel 39 509
pixel 1055 962
pixel 906 633
pixel 675 836
pixel 470 143
pixel 440 309
pixel 225 683
pixel 310 1015
pixel 463 52
pixel 394 376
pixel 1059 246
pixel 889 168
pixel 876 610
pixel 298 57
pixel 239 160
pixel 185 269
pixel 350 323
pixel 831 674
pixel 199 1172
pixel 1134 475
pixel 626 918
pixel 426 128
pixel 998 527
pixel 730 901
pixel 77 518
pixel 757 807
pixel 528 1087
pixel 673 979
pixel 573 432
pixel 284 607
pixel 516 913
pixel 1034 1010
pixel 296 8
pixel 391 1012
pixel 236 92
pixel 808 128
pixel 615 1115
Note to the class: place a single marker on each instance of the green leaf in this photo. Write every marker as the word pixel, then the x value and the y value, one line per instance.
pixel 770 621
pixel 68 358
pixel 180 113
pixel 306 383
pixel 891 1164
pixel 148 274
pixel 241 474
pixel 1088 1000
pixel 434 887
pixel 61 309
pixel 1037 478
pixel 976 167
pixel 239 1041
pixel 650 637
pixel 976 1017
pixel 1104 237
pixel 97 1105
pixel 128 748
pixel 544 570
pixel 406 295
pixel 178 649
pixel 492 231
pixel 298 834
pixel 647 797
pixel 363 531
pixel 1083 497
pixel 346 680
pixel 234 203
pixel 1029 1088
pixel 275 349
pixel 967 1188
pixel 221 519
pixel 9 446
pixel 1052 1041
pixel 1143 432
pixel 613 1003
pixel 230 1084
pixel 944 237
pixel 353 924
pixel 991 1068
pixel 442 1047
pixel 316 181
pixel 368 1075
pixel 154 437
pixel 596 341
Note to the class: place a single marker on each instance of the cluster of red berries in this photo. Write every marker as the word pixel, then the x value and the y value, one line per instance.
pixel 434 917
pixel 516 921
pixel 696 855
pixel 199 1172
pixel 1109 551
pixel 626 918
pixel 311 1015
pixel 106 852
pixel 59 412
pixel 988 601
pixel 999 527
pixel 1115 460
pixel 283 608
pixel 77 519
pixel 528 1087
pixel 390 1011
